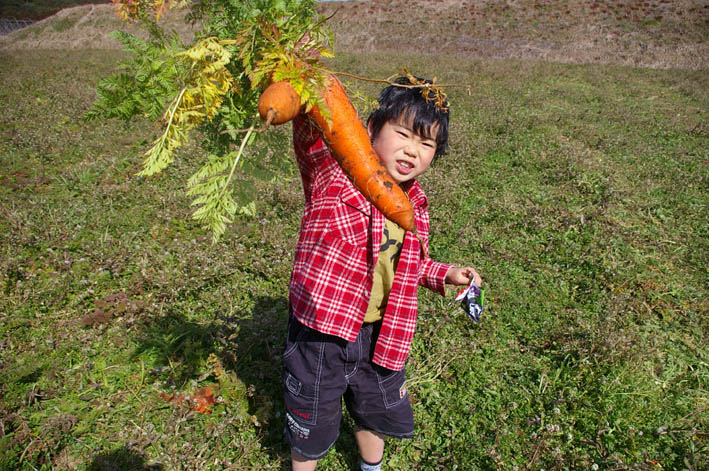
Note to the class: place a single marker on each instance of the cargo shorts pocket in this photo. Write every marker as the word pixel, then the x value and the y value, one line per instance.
pixel 300 401
pixel 302 370
pixel 392 385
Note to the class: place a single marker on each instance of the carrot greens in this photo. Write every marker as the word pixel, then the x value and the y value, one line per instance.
pixel 213 85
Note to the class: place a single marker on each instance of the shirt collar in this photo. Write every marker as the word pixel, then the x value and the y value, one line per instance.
pixel 416 194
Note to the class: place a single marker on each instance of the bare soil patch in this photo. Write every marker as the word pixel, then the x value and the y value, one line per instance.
pixel 654 33
pixel 660 33
pixel 85 27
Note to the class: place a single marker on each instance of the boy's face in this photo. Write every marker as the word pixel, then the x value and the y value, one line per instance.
pixel 405 154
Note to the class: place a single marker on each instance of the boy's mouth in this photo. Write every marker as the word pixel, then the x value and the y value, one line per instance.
pixel 404 166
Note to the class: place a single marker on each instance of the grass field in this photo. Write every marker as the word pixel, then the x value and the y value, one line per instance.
pixel 580 192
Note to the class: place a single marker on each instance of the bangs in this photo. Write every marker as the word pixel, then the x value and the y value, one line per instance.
pixel 421 125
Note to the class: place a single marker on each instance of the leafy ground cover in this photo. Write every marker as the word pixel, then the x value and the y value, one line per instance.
pixel 129 341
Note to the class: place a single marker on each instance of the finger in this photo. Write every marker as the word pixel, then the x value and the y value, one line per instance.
pixel 476 277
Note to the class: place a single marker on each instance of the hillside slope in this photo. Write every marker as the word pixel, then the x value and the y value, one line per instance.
pixel 84 27
pixel 657 33
pixel 660 33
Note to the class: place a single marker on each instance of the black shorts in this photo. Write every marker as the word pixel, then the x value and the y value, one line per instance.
pixel 319 370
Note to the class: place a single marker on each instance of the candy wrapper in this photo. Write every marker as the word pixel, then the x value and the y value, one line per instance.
pixel 471 299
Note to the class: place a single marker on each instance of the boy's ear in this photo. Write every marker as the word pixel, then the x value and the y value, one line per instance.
pixel 369 129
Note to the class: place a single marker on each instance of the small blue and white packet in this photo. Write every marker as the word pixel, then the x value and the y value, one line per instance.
pixel 472 299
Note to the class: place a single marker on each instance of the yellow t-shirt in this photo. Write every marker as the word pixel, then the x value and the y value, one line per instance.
pixel 392 241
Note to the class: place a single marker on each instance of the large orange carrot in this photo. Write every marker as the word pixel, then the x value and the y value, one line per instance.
pixel 279 103
pixel 350 146
pixel 349 143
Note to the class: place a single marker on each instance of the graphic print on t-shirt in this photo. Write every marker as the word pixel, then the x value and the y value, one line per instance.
pixel 388 242
pixel 384 270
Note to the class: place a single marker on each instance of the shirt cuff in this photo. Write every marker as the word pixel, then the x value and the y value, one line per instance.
pixel 434 276
pixel 304 132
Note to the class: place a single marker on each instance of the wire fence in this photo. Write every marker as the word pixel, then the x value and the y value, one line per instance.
pixel 8 25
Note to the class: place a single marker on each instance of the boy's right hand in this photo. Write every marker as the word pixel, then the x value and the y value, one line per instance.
pixel 463 276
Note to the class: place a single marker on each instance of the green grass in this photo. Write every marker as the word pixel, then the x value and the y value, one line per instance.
pixel 579 192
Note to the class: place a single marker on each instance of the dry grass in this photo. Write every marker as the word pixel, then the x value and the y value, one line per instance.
pixel 654 33
pixel 84 27
pixel 658 34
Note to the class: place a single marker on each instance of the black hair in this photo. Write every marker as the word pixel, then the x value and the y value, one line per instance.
pixel 408 104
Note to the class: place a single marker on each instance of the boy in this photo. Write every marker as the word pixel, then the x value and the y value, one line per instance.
pixel 353 290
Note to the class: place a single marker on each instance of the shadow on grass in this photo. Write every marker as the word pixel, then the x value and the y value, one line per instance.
pixel 179 347
pixel 122 459
pixel 249 344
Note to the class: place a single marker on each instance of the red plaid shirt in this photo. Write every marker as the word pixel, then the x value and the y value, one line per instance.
pixel 339 242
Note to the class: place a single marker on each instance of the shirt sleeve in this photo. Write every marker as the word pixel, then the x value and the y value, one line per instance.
pixel 304 133
pixel 432 275
pixel 310 149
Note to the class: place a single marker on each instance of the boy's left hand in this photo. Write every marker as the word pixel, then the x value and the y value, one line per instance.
pixel 462 276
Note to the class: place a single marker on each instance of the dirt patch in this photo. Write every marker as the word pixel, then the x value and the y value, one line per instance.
pixel 660 33
pixel 85 27
pixel 654 33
